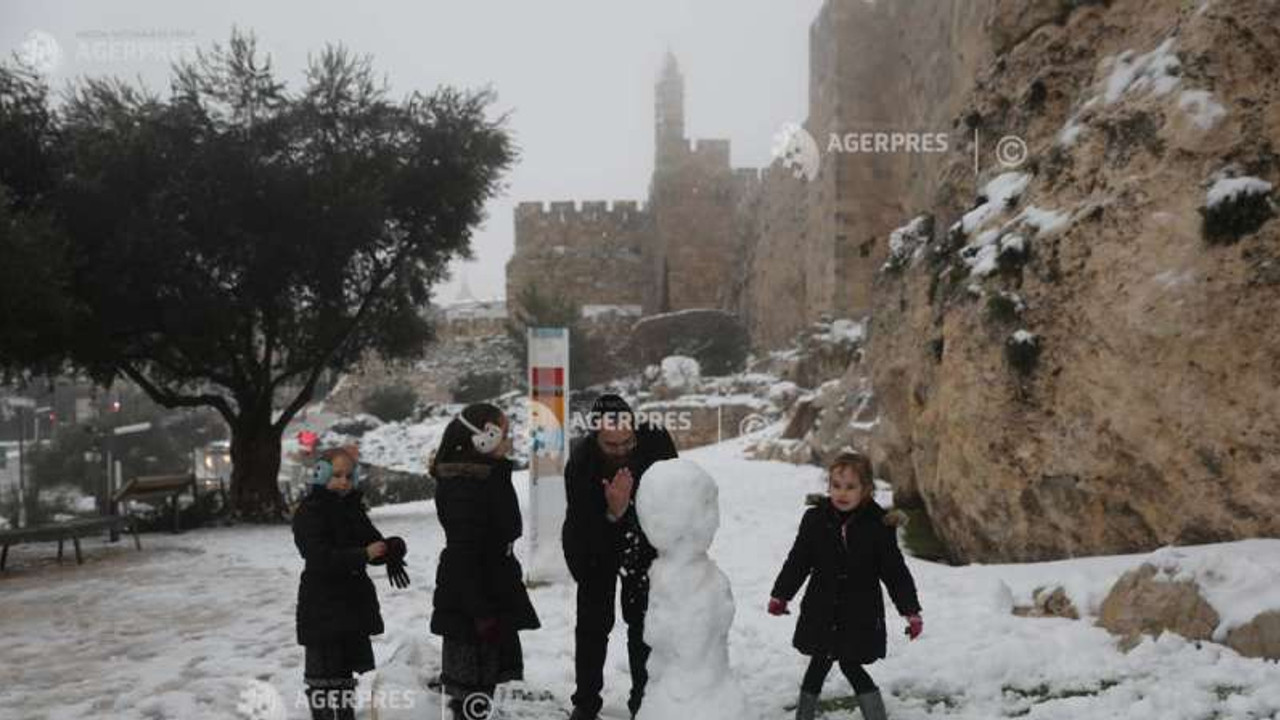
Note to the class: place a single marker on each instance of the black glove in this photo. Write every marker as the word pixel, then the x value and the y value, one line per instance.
pixel 396 547
pixel 396 573
pixel 396 550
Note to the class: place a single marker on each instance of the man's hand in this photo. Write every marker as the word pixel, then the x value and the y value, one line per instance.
pixel 375 550
pixel 617 492
pixel 778 607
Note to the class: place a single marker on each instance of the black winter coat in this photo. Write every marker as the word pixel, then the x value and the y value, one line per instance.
pixel 593 544
pixel 478 575
pixel 842 614
pixel 336 599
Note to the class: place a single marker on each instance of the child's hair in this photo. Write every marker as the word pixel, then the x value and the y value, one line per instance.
pixel 455 444
pixel 856 461
pixel 338 452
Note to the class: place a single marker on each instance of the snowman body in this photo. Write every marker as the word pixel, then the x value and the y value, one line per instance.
pixel 691 606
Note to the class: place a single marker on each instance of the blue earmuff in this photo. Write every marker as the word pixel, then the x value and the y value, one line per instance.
pixel 323 472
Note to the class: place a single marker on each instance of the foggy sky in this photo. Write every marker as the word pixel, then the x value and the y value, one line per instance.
pixel 577 76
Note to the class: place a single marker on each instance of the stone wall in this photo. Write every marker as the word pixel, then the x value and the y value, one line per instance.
pixel 593 253
pixel 1148 413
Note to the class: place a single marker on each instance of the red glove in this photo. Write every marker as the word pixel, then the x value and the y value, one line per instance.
pixel 778 607
pixel 915 626
pixel 489 629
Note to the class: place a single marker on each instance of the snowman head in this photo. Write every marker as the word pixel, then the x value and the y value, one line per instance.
pixel 679 508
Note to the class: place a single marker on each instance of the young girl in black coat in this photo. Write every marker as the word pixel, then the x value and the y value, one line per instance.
pixel 847 545
pixel 337 604
pixel 480 599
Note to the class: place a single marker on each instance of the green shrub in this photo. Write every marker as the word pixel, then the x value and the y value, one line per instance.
pixel 391 403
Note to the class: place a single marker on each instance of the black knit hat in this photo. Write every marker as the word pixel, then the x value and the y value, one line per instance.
pixel 613 409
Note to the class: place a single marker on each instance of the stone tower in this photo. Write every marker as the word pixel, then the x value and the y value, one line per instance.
pixel 678 252
pixel 668 110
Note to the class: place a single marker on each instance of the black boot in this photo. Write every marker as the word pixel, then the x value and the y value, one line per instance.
pixel 872 706
pixel 318 702
pixel 807 707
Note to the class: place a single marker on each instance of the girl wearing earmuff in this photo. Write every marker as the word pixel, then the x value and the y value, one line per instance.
pixel 337 604
pixel 480 602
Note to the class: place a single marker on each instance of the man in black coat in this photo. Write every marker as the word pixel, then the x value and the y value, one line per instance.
pixel 603 540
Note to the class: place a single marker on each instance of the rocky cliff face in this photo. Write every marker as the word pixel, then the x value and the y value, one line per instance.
pixel 1081 354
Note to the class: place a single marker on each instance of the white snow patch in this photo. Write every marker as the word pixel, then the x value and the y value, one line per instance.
pixel 594 312
pixel 998 192
pixel 1046 222
pixel 1230 188
pixel 1024 337
pixel 842 331
pixel 402 446
pixel 1070 131
pixel 680 372
pixel 1154 71
pixel 1200 106
pixel 906 242
pixel 1240 585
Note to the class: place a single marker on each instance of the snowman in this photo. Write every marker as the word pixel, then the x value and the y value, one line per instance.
pixel 691 605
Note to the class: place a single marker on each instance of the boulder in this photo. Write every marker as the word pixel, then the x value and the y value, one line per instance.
pixel 1260 637
pixel 715 338
pixel 1145 601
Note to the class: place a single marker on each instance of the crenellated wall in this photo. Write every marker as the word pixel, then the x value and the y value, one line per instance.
pixel 593 253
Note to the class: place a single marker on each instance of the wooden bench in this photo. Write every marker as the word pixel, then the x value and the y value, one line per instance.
pixel 61 532
pixel 157 490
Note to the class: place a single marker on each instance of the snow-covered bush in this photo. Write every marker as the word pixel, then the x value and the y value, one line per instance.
pixel 1235 207
pixel 391 403
pixel 1004 307
pixel 1022 350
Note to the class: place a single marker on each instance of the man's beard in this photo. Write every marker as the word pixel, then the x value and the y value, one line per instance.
pixel 612 464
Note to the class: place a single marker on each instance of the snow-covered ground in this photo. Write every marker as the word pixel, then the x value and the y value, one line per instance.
pixel 183 628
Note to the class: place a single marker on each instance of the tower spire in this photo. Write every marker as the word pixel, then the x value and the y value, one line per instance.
pixel 669 105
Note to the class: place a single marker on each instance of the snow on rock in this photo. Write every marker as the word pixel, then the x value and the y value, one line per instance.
pixel 1240 585
pixel 691 606
pixel 1201 108
pixel 1070 131
pixel 402 446
pixel 1155 71
pixel 1045 222
pixel 907 242
pixel 842 331
pixel 999 191
pixel 983 255
pixel 1231 188
pixel 1024 337
pixel 596 312
pixel 681 373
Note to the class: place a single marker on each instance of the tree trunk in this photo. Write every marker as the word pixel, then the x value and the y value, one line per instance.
pixel 255 466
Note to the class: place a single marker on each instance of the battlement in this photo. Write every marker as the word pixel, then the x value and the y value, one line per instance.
pixel 569 211
pixel 591 223
pixel 713 152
